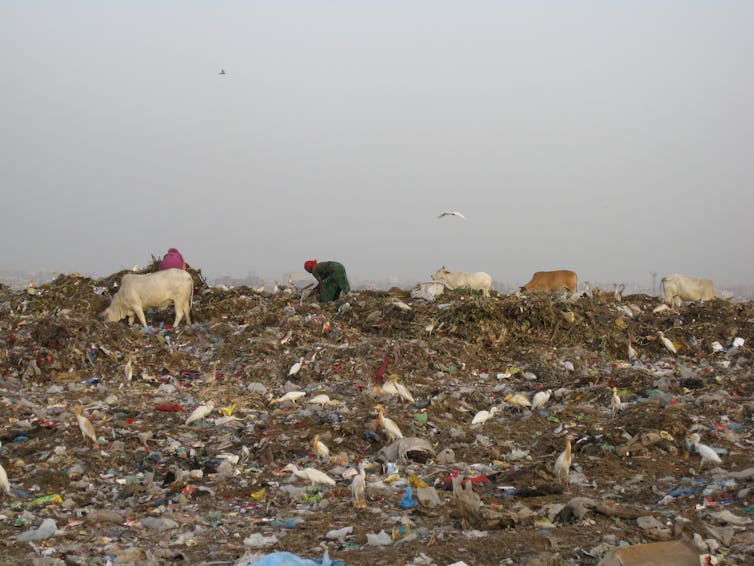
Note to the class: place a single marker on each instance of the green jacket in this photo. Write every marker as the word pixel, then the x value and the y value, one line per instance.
pixel 332 280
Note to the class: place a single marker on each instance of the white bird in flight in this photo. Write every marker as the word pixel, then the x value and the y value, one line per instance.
pixel 452 213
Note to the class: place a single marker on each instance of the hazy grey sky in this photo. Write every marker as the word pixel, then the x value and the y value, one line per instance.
pixel 613 138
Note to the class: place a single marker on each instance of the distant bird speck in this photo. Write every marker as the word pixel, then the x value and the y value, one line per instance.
pixel 452 213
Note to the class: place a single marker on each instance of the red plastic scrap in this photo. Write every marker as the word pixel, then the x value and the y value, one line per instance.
pixel 170 408
pixel 448 481
pixel 379 376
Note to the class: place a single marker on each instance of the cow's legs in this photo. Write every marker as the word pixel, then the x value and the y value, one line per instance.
pixel 140 313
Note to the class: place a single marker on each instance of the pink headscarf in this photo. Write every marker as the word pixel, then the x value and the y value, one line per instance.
pixel 172 260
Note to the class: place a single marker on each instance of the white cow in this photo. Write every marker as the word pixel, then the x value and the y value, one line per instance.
pixel 144 291
pixel 687 288
pixel 477 281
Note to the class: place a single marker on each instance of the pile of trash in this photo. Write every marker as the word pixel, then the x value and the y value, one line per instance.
pixel 421 426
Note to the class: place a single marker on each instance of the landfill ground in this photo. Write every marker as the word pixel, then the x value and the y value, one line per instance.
pixel 154 490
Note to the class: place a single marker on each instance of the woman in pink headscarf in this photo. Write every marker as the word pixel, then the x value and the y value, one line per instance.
pixel 172 260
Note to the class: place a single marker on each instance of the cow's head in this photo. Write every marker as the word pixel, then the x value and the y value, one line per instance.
pixel 112 314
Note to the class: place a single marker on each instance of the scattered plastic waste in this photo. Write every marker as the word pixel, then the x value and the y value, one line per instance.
pixel 154 489
pixel 379 539
pixel 408 501
pixel 47 529
pixel 287 559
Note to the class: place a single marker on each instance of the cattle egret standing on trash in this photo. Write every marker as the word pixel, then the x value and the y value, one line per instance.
pixel 618 291
pixel 518 400
pixel 707 453
pixel 388 388
pixel 290 396
pixel 669 346
pixel 295 368
pixel 200 412
pixel 310 474
pixel 322 399
pixel 452 213
pixel 319 448
pixel 615 401
pixel 483 416
pixel 540 399
pixel 388 425
pixel 631 351
pixel 563 463
pixel 402 390
pixel 85 425
pixel 358 489
pixel 4 483
pixel 128 371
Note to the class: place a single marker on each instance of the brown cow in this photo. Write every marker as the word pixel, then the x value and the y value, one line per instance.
pixel 552 281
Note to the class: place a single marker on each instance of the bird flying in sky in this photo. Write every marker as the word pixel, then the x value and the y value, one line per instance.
pixel 452 213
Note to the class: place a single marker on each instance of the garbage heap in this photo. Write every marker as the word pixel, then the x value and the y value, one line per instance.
pixel 182 445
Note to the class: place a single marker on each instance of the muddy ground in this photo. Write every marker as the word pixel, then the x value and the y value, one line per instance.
pixel 154 490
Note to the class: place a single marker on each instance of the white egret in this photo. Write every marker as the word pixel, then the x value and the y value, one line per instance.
pixel 708 454
pixel 563 463
pixel 402 390
pixel 540 399
pixel 200 412
pixel 290 396
pixel 295 368
pixel 388 425
pixel 669 346
pixel 310 474
pixel 319 447
pixel 85 425
pixel 358 489
pixel 483 416
pixel 615 401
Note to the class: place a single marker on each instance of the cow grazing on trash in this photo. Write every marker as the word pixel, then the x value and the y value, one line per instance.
pixel 139 292
pixel 687 288
pixel 552 281
pixel 477 281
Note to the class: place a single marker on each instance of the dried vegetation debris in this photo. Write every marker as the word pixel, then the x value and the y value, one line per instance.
pixel 160 489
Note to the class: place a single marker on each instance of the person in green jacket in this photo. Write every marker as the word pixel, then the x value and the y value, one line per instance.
pixel 331 279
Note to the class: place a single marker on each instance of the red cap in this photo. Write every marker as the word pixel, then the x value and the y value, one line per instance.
pixel 309 265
